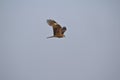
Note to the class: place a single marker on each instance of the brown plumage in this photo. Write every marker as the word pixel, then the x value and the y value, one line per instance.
pixel 58 31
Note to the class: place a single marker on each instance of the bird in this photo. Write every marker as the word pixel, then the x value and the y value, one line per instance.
pixel 58 31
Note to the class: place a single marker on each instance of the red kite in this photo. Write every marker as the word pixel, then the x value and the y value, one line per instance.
pixel 58 31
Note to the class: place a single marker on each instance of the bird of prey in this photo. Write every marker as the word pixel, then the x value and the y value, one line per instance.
pixel 58 31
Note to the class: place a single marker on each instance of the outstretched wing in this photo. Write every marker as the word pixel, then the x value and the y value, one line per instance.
pixel 57 29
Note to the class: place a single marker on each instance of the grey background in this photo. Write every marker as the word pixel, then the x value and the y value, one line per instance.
pixel 90 51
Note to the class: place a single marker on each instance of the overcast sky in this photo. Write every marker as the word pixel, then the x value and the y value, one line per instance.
pixel 90 50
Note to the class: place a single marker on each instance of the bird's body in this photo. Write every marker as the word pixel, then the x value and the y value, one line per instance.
pixel 58 31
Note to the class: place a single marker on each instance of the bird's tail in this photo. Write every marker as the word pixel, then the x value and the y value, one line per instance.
pixel 50 37
pixel 63 30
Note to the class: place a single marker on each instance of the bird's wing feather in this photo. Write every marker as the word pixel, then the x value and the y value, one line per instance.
pixel 57 29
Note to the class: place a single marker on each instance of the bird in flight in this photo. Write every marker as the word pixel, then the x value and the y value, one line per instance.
pixel 58 31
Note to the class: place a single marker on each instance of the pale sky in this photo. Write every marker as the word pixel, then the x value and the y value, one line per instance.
pixel 90 50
